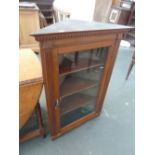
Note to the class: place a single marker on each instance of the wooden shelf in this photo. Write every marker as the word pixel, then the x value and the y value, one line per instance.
pixel 82 64
pixel 73 102
pixel 72 85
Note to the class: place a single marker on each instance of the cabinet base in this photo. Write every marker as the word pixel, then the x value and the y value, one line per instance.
pixel 75 125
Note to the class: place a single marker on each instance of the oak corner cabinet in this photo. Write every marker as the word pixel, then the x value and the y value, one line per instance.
pixel 77 61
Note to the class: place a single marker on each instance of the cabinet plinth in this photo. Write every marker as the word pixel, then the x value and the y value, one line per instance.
pixel 77 62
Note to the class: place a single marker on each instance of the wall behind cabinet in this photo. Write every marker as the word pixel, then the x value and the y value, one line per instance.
pixel 102 9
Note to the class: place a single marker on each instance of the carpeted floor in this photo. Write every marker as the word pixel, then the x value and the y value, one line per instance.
pixel 110 134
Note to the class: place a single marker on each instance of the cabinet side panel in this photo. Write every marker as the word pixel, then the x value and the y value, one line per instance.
pixel 28 23
pixel 107 73
pixel 50 76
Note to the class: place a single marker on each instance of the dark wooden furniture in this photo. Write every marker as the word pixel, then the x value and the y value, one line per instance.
pixel 122 13
pixel 43 22
pixel 126 4
pixel 119 15
pixel 130 36
pixel 30 86
pixel 45 7
pixel 131 65
pixel 75 88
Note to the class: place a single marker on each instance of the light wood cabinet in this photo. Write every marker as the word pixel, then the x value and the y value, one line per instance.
pixel 28 23
pixel 77 61
pixel 30 86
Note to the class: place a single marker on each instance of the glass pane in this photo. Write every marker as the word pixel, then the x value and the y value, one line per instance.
pixel 80 74
pixel 76 114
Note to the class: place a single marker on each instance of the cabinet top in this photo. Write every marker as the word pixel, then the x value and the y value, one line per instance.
pixel 29 72
pixel 73 28
pixel 28 6
pixel 78 26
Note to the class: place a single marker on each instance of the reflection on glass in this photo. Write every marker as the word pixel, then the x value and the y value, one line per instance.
pixel 76 114
pixel 80 74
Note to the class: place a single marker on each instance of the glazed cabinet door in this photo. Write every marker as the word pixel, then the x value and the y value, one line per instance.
pixel 80 74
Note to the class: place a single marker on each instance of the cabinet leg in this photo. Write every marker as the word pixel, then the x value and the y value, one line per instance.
pixel 40 121
pixel 76 57
pixel 131 65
